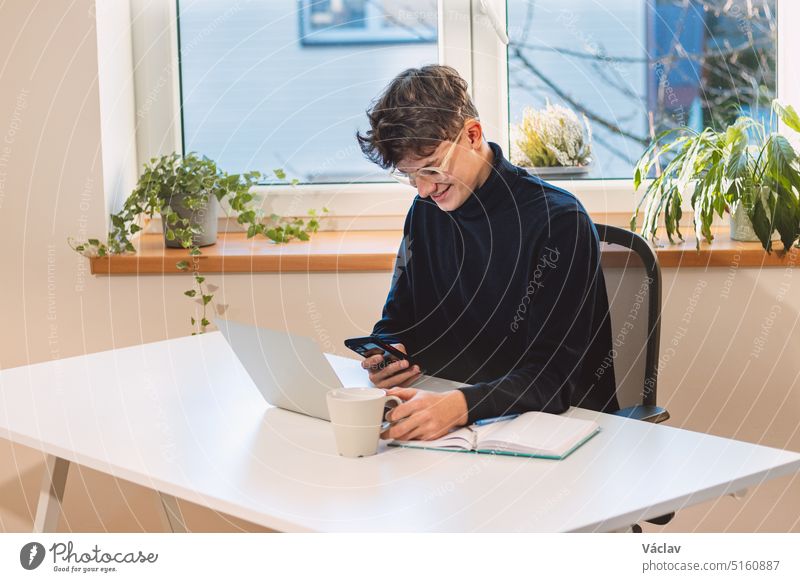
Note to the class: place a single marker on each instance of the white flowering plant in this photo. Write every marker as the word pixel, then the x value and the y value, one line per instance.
pixel 551 137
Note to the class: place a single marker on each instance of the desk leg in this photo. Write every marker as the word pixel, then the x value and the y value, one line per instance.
pixel 51 494
pixel 172 515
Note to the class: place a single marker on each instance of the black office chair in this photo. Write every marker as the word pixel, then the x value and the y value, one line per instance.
pixel 633 283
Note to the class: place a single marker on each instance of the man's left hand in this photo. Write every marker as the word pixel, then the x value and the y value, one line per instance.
pixel 425 415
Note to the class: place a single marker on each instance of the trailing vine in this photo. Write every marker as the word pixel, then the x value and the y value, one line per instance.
pixel 177 188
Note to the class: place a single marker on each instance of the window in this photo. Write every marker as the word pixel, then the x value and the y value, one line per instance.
pixel 635 68
pixel 285 83
pixel 263 85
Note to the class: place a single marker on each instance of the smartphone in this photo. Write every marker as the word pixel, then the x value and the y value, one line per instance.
pixel 361 345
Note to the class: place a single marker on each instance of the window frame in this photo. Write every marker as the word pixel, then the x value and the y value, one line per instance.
pixel 467 41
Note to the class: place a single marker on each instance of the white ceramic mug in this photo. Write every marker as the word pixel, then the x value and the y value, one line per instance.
pixel 357 416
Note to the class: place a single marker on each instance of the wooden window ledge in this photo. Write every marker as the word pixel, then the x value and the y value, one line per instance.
pixel 340 251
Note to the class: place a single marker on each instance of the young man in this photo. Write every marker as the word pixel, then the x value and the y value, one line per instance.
pixel 498 282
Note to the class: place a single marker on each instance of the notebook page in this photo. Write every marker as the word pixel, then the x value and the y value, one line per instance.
pixel 461 438
pixel 538 432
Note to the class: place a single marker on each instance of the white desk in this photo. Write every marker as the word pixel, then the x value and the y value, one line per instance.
pixel 182 417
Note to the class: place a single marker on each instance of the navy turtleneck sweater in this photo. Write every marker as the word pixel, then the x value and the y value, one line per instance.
pixel 506 294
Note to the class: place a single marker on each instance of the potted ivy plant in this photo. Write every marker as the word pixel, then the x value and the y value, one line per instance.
pixel 747 169
pixel 184 191
pixel 552 142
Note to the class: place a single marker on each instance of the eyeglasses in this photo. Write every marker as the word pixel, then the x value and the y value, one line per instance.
pixel 432 173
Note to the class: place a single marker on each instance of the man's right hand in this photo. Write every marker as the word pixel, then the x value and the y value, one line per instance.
pixel 397 373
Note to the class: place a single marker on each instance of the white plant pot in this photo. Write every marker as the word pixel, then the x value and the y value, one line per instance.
pixel 742 227
pixel 205 217
pixel 558 172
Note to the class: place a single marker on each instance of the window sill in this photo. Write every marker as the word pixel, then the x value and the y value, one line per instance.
pixel 375 250
pixel 328 251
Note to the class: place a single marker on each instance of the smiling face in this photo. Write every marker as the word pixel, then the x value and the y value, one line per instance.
pixel 466 163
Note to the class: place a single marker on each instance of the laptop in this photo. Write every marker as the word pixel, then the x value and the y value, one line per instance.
pixel 291 371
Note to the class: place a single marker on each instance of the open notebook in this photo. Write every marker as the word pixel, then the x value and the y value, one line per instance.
pixel 532 434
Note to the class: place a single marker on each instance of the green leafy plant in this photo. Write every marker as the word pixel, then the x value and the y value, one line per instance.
pixel 176 187
pixel 553 136
pixel 745 164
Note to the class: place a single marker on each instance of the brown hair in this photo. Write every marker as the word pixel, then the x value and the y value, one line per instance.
pixel 418 110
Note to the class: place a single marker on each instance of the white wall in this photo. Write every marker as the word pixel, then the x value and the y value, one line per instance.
pixel 730 367
pixel 52 177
